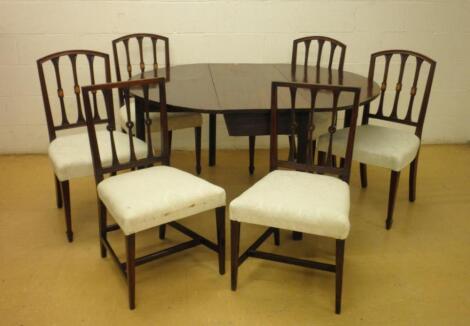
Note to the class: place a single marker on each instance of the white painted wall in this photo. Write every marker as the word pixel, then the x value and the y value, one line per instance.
pixel 233 31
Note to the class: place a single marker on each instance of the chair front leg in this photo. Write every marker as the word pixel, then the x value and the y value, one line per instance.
pixel 220 222
pixel 58 193
pixel 64 185
pixel 363 172
pixel 339 274
pixel 130 265
pixel 197 140
pixel 413 173
pixel 252 140
pixel 235 247
pixel 394 178
pixel 102 224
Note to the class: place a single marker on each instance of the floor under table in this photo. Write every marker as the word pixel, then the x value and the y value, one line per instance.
pixel 418 273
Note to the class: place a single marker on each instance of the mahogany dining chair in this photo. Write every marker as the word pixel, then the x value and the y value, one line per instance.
pixel 386 146
pixel 69 153
pixel 300 197
pixel 148 195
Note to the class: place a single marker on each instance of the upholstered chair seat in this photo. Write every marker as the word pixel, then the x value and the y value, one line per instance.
pixel 146 198
pixel 297 201
pixel 71 157
pixel 376 145
pixel 176 120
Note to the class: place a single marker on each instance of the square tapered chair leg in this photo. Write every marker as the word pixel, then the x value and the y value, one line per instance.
pixel 130 268
pixel 339 274
pixel 220 221
pixel 235 242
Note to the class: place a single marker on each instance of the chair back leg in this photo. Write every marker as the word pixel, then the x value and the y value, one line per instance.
pixel 102 224
pixel 394 178
pixel 58 193
pixel 64 185
pixel 277 237
pixel 220 222
pixel 363 172
pixel 197 140
pixel 162 231
pixel 413 173
pixel 339 274
pixel 235 247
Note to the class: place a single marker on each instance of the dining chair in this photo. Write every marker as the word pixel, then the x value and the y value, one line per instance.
pixel 69 153
pixel 335 59
pixel 385 146
pixel 148 195
pixel 148 43
pixel 300 197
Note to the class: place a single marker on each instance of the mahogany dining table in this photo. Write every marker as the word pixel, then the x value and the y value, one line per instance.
pixel 241 93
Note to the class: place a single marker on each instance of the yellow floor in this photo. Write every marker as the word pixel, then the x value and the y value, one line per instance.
pixel 416 274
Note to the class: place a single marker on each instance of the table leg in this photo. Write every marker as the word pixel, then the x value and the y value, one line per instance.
pixel 212 138
pixel 139 120
pixel 347 118
pixel 302 144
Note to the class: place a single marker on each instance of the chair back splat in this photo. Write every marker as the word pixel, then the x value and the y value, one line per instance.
pixel 306 126
pixel 131 161
pixel 56 59
pixel 320 40
pixel 139 39
pixel 394 116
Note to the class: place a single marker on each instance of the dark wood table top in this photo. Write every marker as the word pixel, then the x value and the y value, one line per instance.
pixel 231 88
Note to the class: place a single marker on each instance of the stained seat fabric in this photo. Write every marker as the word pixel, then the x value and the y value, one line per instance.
pixel 146 198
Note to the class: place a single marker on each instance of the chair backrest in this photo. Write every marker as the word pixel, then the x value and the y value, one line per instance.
pixel 321 40
pixel 124 88
pixel 73 56
pixel 138 39
pixel 393 115
pixel 311 91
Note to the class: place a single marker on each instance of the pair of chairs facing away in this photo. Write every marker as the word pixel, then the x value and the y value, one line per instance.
pixel 307 197
pixel 70 154
pixel 148 196
pixel 386 147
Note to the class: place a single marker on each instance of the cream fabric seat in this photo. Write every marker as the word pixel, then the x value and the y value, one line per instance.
pixel 176 120
pixel 71 155
pixel 381 146
pixel 297 201
pixel 146 198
